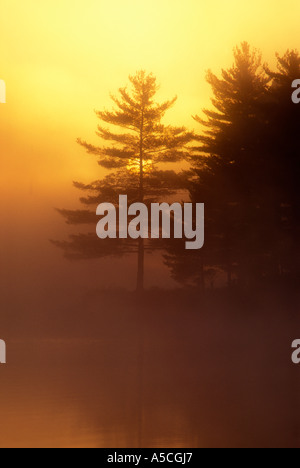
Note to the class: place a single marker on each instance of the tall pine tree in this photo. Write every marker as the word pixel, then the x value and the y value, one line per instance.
pixel 284 150
pixel 228 165
pixel 246 170
pixel 135 155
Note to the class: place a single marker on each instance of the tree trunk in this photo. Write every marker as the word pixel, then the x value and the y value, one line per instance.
pixel 141 246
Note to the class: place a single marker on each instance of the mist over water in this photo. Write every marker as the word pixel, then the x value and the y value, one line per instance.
pixel 171 369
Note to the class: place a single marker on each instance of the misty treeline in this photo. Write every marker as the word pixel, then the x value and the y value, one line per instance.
pixel 246 171
pixel 243 164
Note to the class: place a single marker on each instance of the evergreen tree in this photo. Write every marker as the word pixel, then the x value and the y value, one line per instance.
pixel 232 152
pixel 135 155
pixel 284 164
pixel 246 171
pixel 228 166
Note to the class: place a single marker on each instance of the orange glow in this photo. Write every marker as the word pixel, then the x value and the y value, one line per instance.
pixel 60 60
pixel 134 166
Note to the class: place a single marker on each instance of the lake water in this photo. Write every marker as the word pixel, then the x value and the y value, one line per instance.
pixel 177 379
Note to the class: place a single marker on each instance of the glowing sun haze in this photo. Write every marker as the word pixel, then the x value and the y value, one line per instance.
pixel 61 58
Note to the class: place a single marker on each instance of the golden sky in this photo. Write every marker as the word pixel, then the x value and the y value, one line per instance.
pixel 61 58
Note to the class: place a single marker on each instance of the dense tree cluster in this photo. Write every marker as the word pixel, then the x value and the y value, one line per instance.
pixel 246 169
pixel 244 163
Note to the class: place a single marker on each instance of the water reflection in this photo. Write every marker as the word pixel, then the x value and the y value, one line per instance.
pixel 208 377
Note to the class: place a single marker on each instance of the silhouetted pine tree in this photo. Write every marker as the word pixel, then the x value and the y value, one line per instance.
pixel 227 165
pixel 134 157
pixel 246 172
pixel 284 165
